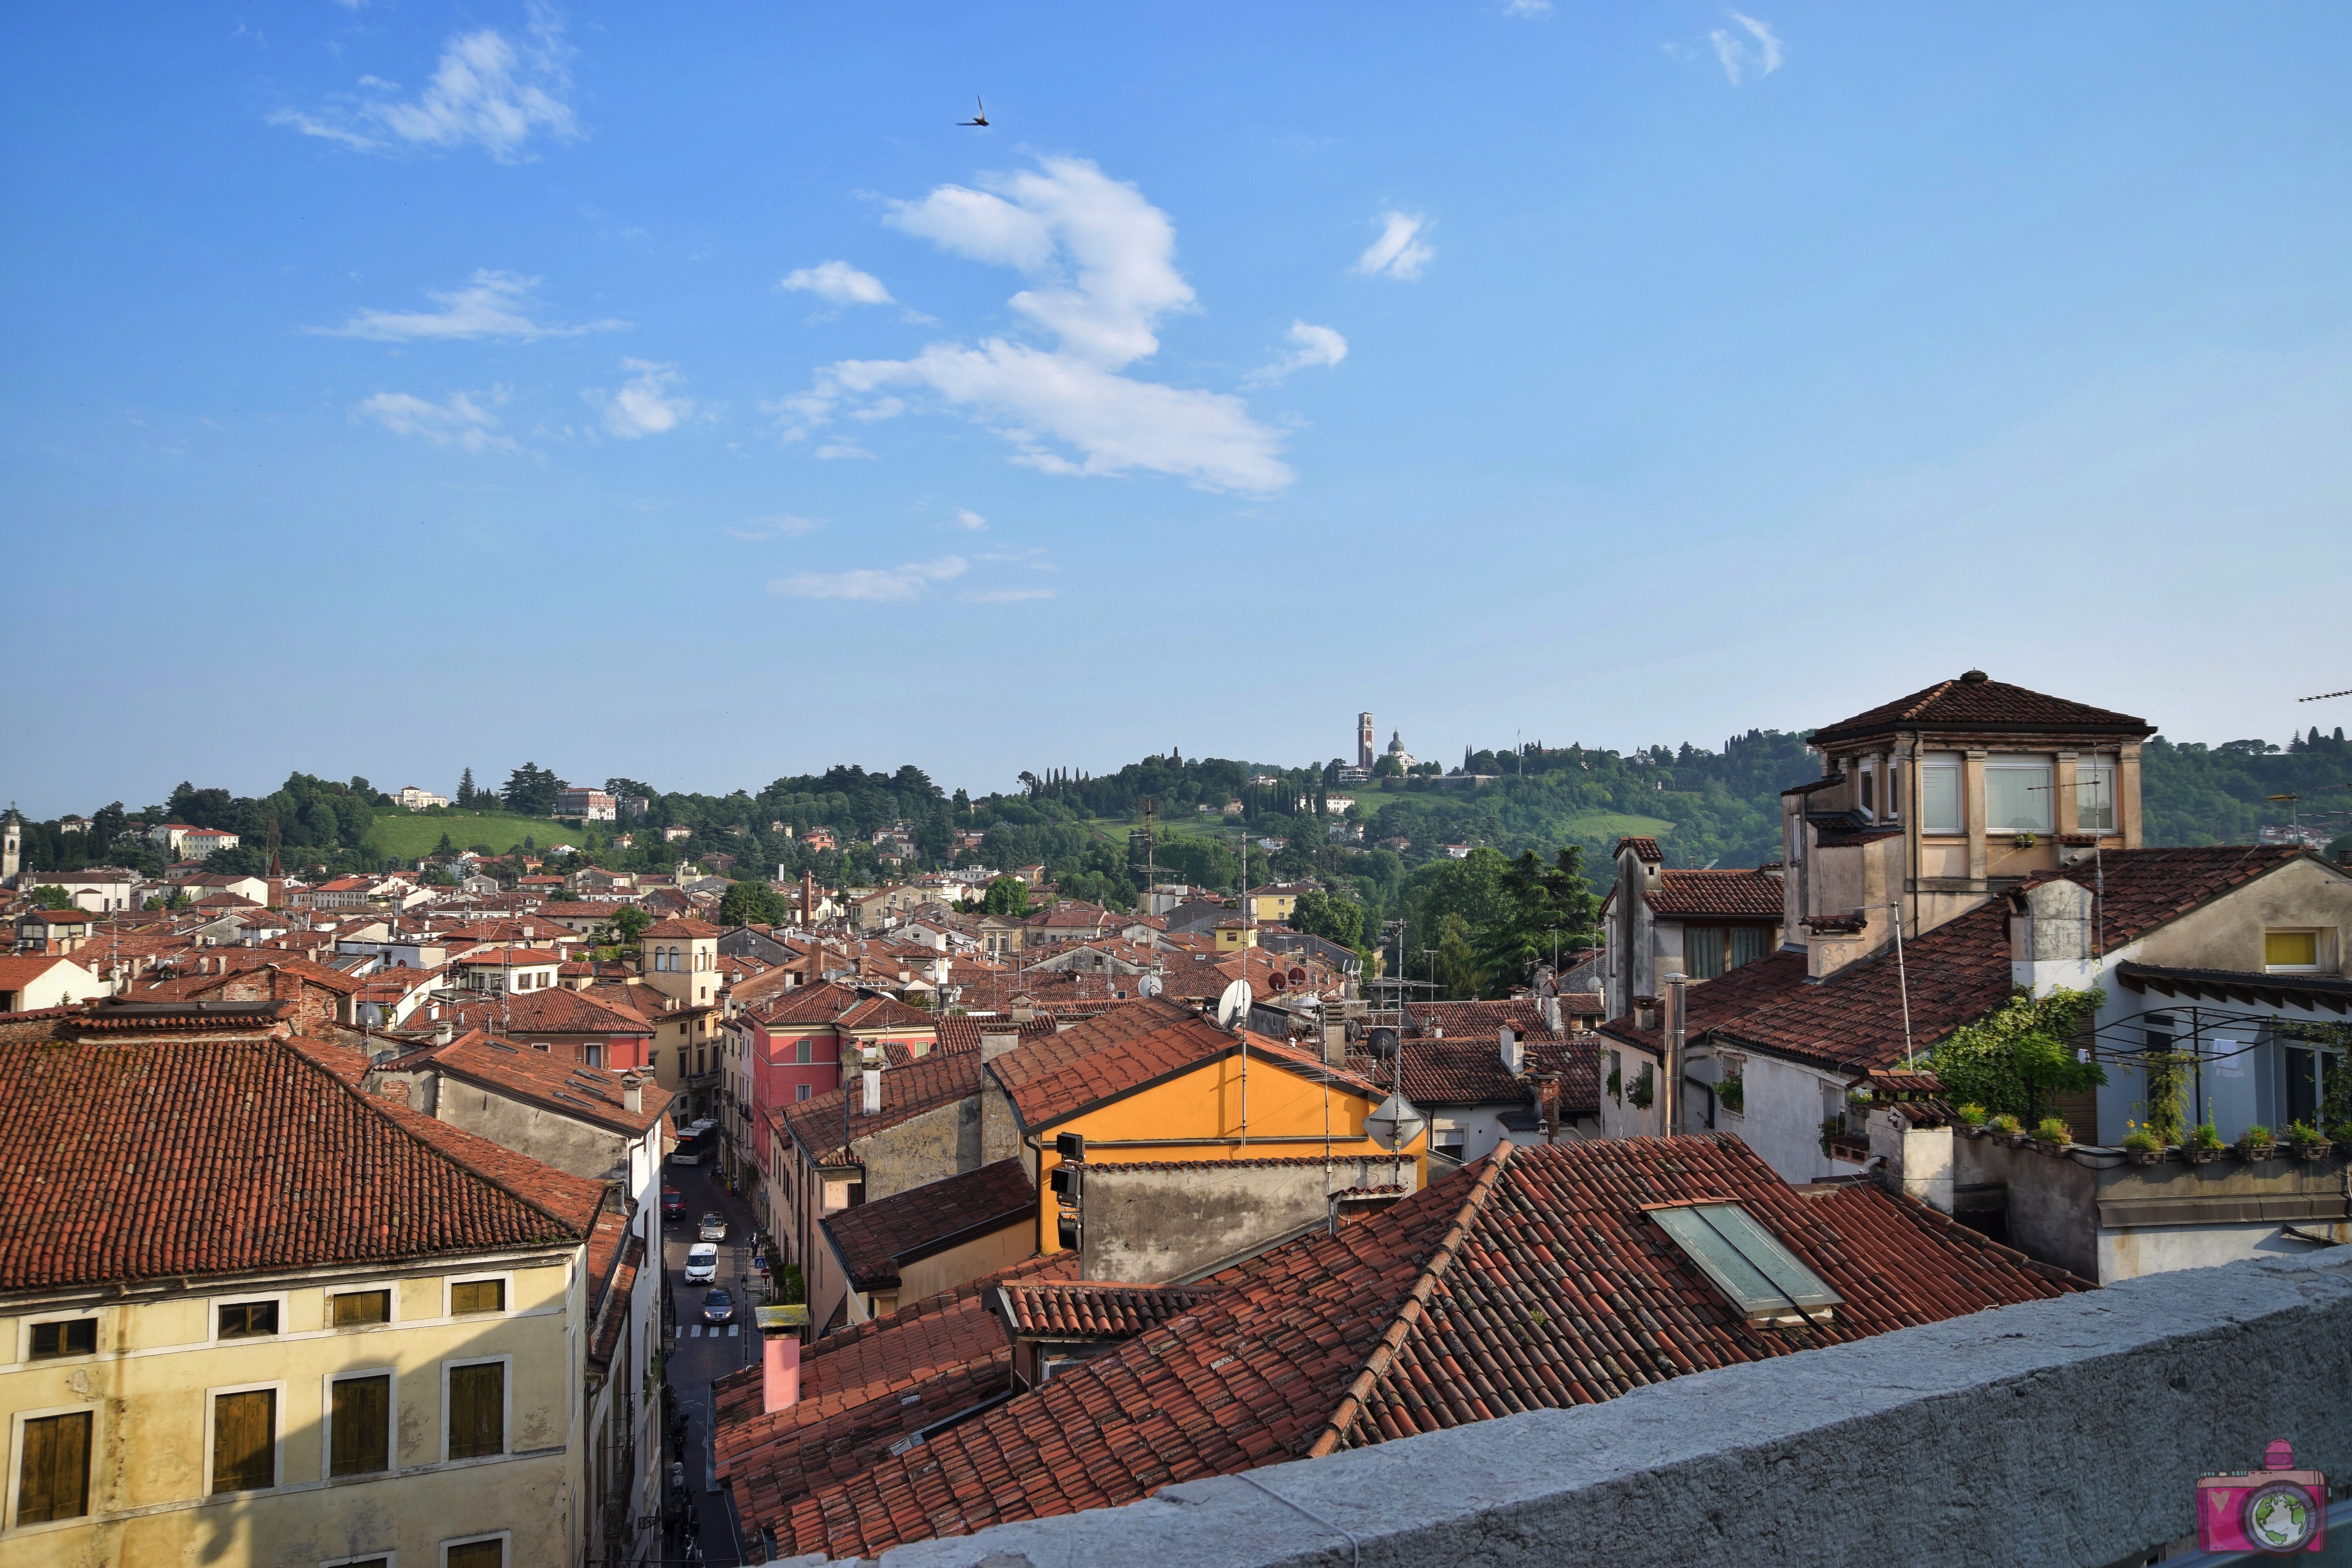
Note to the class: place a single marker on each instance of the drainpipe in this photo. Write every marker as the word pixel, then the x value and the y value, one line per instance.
pixel 1670 1093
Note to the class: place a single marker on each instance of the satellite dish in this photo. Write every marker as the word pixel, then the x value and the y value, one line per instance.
pixel 1297 975
pixel 1234 1004
pixel 1384 1044
pixel 1148 986
pixel 1277 983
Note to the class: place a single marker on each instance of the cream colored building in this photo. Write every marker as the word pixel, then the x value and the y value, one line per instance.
pixel 374 1343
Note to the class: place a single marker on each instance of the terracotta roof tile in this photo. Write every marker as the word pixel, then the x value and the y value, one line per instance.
pixel 874 1241
pixel 816 1124
pixel 588 1094
pixel 1986 705
pixel 1729 895
pixel 1093 1308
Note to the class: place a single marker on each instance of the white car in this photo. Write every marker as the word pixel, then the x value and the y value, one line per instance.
pixel 702 1263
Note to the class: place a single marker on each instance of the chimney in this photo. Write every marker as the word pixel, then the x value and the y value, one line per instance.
pixel 633 1093
pixel 1514 1055
pixel 1551 1013
pixel 445 1033
pixel 779 1370
pixel 873 1076
pixel 1335 1044
pixel 995 1046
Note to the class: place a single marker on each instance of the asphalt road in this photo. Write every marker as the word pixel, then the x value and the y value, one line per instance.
pixel 702 1353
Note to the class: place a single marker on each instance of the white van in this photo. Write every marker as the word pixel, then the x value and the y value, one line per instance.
pixel 702 1263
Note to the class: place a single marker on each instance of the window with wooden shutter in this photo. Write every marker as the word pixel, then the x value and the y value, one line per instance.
pixel 53 1481
pixel 479 1295
pixel 245 1440
pixel 357 1309
pixel 477 1555
pixel 362 1417
pixel 73 1336
pixel 477 1410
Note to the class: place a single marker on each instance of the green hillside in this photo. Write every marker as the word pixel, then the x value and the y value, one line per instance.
pixel 407 835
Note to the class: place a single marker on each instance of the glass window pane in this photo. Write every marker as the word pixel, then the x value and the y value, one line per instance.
pixel 357 1309
pixel 2095 797
pixel 248 1320
pixel 477 1410
pixel 53 1480
pixel 73 1336
pixel 363 1426
pixel 2017 799
pixel 1746 1262
pixel 1703 952
pixel 1746 946
pixel 478 1554
pixel 1939 804
pixel 1749 1290
pixel 245 1441
pixel 1763 1249
pixel 2291 949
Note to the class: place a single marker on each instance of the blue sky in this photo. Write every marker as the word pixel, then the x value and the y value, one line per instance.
pixel 681 394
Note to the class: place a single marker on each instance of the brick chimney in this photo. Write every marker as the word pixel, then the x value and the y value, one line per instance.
pixel 779 1370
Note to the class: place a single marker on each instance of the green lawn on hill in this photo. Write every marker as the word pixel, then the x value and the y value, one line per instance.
pixel 410 833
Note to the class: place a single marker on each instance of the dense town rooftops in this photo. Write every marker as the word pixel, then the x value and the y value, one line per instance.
pixel 1972 703
pixel 131 1159
pixel 1534 1278
pixel 819 1125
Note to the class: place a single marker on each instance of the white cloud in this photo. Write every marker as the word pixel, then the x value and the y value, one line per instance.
pixel 775 525
pixel 493 305
pixel 968 518
pixel 837 283
pixel 1101 261
pixel 1527 8
pixel 487 89
pixel 1311 346
pixel 1399 253
pixel 1008 595
pixel 842 449
pixel 644 405
pixel 872 583
pixel 455 421
pixel 1759 52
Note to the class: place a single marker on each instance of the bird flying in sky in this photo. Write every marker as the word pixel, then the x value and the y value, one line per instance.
pixel 981 119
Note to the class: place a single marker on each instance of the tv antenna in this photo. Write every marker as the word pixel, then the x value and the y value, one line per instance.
pixel 2325 695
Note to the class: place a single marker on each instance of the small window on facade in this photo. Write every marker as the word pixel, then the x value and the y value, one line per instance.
pixel 74 1336
pixel 245 1441
pixel 479 1295
pixel 248 1320
pixel 357 1309
pixel 1869 801
pixel 2095 796
pixel 2291 949
pixel 1894 789
pixel 52 1476
pixel 477 1410
pixel 1703 952
pixel 477 1554
pixel 1939 796
pixel 801 1091
pixel 362 1425
pixel 1762 1278
pixel 2017 795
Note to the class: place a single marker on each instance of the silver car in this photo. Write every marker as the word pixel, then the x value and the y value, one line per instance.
pixel 713 1227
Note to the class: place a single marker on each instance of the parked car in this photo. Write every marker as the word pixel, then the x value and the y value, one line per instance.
pixel 713 1227
pixel 701 1263
pixel 718 1307
pixel 673 1204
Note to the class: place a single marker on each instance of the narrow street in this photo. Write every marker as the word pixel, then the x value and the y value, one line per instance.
pixel 702 1355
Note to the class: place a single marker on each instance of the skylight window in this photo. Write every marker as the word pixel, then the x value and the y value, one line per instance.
pixel 1760 1276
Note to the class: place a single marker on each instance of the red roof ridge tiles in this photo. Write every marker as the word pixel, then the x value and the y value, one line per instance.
pixel 1973 702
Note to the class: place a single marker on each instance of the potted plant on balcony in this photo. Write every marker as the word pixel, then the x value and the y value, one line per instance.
pixel 1971 1116
pixel 2306 1141
pixel 2008 1130
pixel 2255 1142
pixel 2204 1145
pixel 1732 1094
pixel 2142 1147
pixel 2052 1135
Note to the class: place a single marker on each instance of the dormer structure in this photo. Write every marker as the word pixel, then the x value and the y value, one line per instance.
pixel 1930 805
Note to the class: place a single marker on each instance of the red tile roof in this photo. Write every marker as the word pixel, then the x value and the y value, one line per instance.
pixel 1091 1308
pixel 500 957
pixel 243 961
pixel 592 1095
pixel 1728 895
pixel 680 928
pixel 1972 702
pixel 816 1124
pixel 128 1158
pixel 874 1241
pixel 1642 848
pixel 1532 1280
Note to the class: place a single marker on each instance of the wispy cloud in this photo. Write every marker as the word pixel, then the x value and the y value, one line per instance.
pixel 1758 53
pixel 1101 259
pixel 1399 253
pixel 488 89
pixel 1527 8
pixel 968 518
pixel 871 583
pixel 834 449
pixel 492 305
pixel 775 525
pixel 1007 595
pixel 644 405
pixel 457 420
pixel 1310 346
pixel 837 283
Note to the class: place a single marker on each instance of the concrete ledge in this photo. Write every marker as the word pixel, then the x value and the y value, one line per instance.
pixel 2069 1431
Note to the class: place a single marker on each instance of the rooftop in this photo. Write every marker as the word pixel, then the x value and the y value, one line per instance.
pixel 874 1241
pixel 1972 702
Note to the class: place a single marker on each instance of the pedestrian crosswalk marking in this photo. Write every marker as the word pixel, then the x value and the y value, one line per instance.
pixel 695 1332
pixel 730 1330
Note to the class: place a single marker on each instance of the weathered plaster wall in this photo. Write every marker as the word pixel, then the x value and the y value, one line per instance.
pixel 2068 1432
pixel 1154 1223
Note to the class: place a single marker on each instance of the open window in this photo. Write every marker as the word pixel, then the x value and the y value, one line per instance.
pixel 1762 1279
